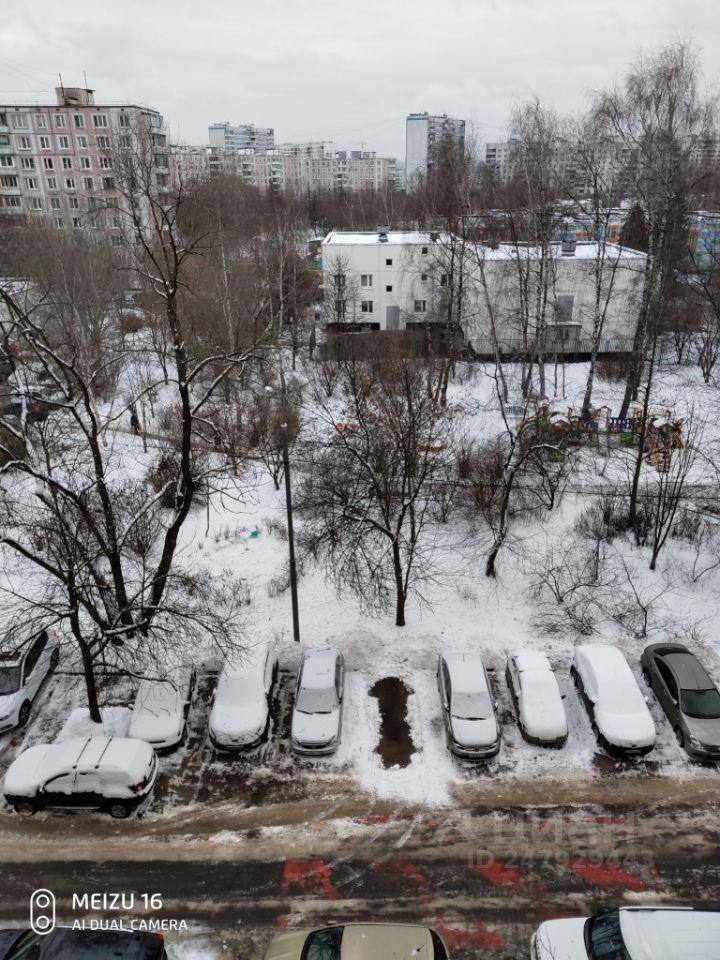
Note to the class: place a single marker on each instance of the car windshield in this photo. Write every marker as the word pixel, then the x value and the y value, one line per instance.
pixel 240 688
pixel 323 944
pixel 25 948
pixel 315 700
pixel 604 938
pixel 471 706
pixel 701 704
pixel 9 680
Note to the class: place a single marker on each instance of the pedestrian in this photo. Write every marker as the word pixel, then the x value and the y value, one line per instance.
pixel 134 420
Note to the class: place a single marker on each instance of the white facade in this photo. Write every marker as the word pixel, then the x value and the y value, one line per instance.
pixel 60 160
pixel 390 280
pixel 424 135
pixel 230 138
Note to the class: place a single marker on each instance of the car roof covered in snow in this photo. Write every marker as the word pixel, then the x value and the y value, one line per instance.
pixel 247 664
pixel 531 660
pixel 467 674
pixel 44 761
pixel 666 934
pixel 616 684
pixel 318 670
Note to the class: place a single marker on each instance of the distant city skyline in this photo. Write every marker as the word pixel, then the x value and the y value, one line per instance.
pixel 338 71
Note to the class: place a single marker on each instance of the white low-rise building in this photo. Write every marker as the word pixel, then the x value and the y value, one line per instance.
pixel 510 293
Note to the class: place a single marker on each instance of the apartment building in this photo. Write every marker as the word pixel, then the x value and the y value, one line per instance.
pixel 60 160
pixel 231 138
pixel 388 280
pixel 190 163
pixel 426 136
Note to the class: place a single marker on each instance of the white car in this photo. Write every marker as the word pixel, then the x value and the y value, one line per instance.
pixel 94 773
pixel 632 933
pixel 317 715
pixel 618 709
pixel 537 698
pixel 240 717
pixel 22 673
pixel 469 709
pixel 160 711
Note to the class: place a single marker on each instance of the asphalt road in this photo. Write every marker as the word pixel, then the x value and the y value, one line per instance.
pixel 483 878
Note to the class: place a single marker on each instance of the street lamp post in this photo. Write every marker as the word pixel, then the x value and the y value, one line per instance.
pixel 291 535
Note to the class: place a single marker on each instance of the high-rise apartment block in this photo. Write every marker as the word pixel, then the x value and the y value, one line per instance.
pixel 60 160
pixel 426 137
pixel 242 136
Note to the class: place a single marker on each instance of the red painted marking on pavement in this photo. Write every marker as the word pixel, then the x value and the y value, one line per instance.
pixel 411 871
pixel 473 936
pixel 308 877
pixel 499 874
pixel 282 922
pixel 605 875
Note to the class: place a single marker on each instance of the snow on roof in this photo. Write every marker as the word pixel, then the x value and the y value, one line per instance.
pixel 396 237
pixel 319 668
pixel 531 660
pixel 666 934
pixel 467 674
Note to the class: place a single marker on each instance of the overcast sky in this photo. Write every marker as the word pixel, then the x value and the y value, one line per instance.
pixel 344 70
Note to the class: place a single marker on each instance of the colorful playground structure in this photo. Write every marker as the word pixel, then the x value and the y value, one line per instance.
pixel 556 419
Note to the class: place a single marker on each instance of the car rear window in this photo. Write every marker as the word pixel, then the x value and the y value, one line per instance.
pixel 323 944
pixel 439 951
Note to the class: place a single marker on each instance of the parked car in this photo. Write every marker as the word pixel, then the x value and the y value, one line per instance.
pixel 317 714
pixel 617 708
pixel 65 944
pixel 688 696
pixel 114 774
pixel 359 941
pixel 470 712
pixel 537 698
pixel 240 717
pixel 22 673
pixel 631 933
pixel 161 707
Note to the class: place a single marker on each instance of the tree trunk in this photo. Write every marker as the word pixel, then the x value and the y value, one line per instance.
pixel 91 686
pixel 399 586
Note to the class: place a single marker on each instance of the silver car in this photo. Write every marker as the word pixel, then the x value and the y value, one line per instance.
pixel 688 696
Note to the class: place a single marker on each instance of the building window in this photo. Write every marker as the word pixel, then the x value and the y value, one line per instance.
pixel 73 203
pixel 31 183
pixel 443 279
pixel 79 121
pixel 52 183
pixel 388 288
pixel 35 203
pixel 48 163
pixel 28 163
pixel 123 120
pixel 103 143
pixel 114 221
pixel 7 161
pixel 423 250
pixel 84 163
pixel 340 309
pixel 12 202
pixel 55 203
pixel 9 181
pixel 423 277
pixel 69 183
pixel 88 183
pixel 59 223
pixel 339 279
pixel 388 263
pixel 60 120
pixel 44 143
pixel 76 223
pixel 99 120
pixel 24 143
pixel 108 183
pixel 64 143
pixel 20 121
pixel 106 163
pixel 365 279
pixel 81 142
pixel 3 119
pixel 420 306
pixel 40 121
pixel 564 309
pixel 116 241
pixel 366 306
pixel 67 163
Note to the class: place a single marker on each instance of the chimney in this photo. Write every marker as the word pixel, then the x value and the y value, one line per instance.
pixel 383 234
pixel 568 246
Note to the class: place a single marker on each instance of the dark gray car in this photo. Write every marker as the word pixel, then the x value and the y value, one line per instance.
pixel 63 944
pixel 688 696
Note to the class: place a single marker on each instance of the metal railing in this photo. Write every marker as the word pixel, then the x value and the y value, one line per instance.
pixel 485 347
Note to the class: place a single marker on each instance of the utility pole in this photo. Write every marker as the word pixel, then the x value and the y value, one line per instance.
pixel 291 535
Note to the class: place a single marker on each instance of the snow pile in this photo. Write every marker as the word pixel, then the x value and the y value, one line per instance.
pixel 115 723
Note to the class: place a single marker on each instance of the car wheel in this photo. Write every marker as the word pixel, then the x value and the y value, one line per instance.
pixel 119 811
pixel 680 737
pixel 54 659
pixel 26 808
pixel 24 714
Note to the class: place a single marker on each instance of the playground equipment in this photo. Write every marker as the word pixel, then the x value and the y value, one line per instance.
pixel 556 421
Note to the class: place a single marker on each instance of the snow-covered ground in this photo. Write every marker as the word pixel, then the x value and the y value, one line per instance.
pixel 465 610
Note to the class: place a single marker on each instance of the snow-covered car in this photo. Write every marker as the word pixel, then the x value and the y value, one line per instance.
pixel 240 717
pixel 22 673
pixel 317 714
pixel 115 774
pixel 630 933
pixel 66 944
pixel 612 697
pixel 161 707
pixel 537 698
pixel 469 709
pixel 359 941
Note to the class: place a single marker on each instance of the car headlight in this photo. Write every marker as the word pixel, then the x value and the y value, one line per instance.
pixel 694 742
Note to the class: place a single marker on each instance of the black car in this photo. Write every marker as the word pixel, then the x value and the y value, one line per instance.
pixel 81 945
